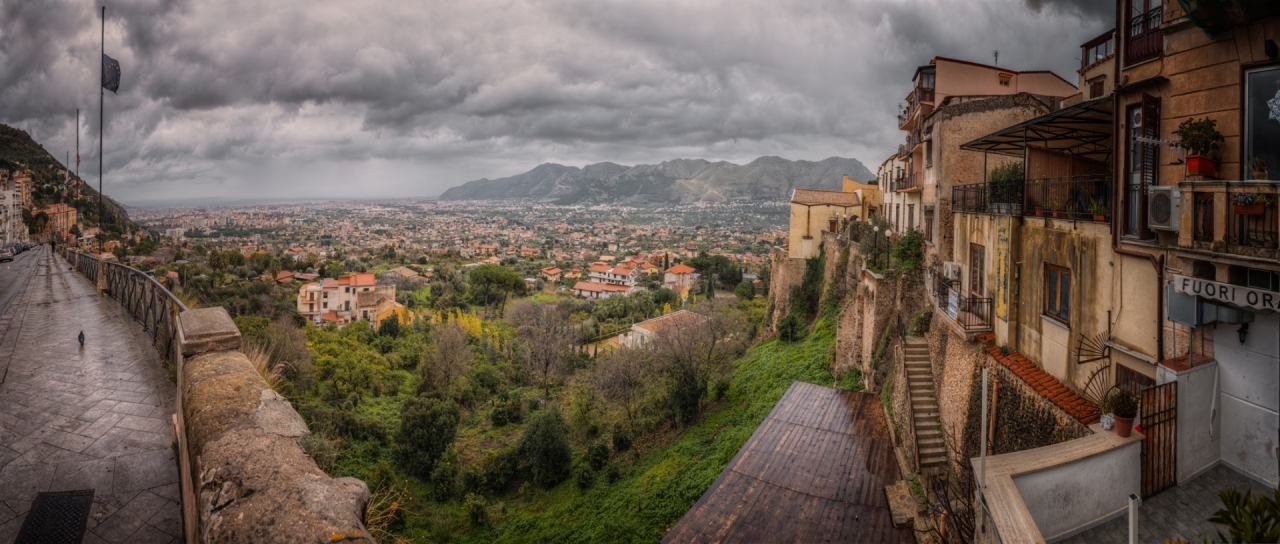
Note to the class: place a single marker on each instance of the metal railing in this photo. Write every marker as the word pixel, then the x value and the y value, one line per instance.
pixel 1258 230
pixel 1070 197
pixel 996 197
pixel 145 299
pixel 971 313
pixel 1144 39
pixel 906 182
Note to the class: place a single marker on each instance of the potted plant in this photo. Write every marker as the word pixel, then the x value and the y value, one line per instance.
pixel 1199 137
pixel 1123 404
pixel 1259 168
pixel 1248 203
pixel 1099 211
pixel 1053 207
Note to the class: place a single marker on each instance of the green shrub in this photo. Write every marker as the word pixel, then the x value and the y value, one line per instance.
pixel 612 473
pixel 686 388
pixel 621 438
pixel 908 251
pixel 597 455
pixel 477 510
pixel 389 327
pixel 585 479
pixel 790 329
pixel 545 448
pixel 805 297
pixel 920 321
pixel 444 477
pixel 851 380
pixel 745 291
pixel 505 410
pixel 499 469
pixel 427 428
pixel 720 387
pixel 1248 519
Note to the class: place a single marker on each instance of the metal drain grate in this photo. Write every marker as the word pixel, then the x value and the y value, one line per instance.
pixel 56 518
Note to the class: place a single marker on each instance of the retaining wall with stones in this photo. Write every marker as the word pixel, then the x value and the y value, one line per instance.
pixel 252 480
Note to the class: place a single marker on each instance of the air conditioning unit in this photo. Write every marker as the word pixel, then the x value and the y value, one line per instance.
pixel 1163 208
pixel 951 270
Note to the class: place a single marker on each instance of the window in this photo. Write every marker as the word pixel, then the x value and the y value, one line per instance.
pixel 1095 88
pixel 928 226
pixel 1143 37
pixel 928 153
pixel 1143 164
pixel 1097 50
pixel 897 217
pixel 1057 286
pixel 911 215
pixel 1130 379
pixel 977 269
pixel 1261 108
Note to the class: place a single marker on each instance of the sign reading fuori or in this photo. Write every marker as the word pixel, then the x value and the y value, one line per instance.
pixel 1241 296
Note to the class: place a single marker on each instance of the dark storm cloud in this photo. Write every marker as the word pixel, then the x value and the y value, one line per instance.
pixel 296 96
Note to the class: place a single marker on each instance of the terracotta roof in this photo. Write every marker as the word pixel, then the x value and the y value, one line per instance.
pixel 833 198
pixel 681 319
pixel 551 270
pixel 1049 387
pixel 598 287
pixel 601 268
pixel 681 269
pixel 621 271
pixel 331 315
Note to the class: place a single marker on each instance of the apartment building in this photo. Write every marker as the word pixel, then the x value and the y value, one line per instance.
pixel 604 280
pixel 12 229
pixel 61 217
pixel 348 299
pixel 952 102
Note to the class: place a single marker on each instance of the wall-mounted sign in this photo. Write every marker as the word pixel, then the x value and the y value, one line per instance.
pixel 1238 295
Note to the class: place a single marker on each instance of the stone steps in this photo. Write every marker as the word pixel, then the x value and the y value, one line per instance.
pixel 925 410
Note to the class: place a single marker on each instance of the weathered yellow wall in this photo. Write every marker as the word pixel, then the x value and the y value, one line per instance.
pixel 818 218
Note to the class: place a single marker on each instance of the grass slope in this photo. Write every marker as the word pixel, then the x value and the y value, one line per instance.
pixel 663 485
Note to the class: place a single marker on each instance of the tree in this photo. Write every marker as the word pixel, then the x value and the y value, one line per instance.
pixel 745 291
pixel 697 351
pixel 144 247
pixel 427 427
pixel 621 377
pixel 545 448
pixel 665 296
pixel 491 283
pixel 390 326
pixel 546 338
pixel 448 357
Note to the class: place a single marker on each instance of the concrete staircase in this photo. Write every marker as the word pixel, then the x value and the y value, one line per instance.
pixel 924 404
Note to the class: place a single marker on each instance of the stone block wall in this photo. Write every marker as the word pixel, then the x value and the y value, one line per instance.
pixel 784 273
pixel 253 481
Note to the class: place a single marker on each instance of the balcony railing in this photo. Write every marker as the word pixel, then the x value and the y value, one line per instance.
pixel 1075 197
pixel 906 182
pixel 999 198
pixel 1254 230
pixel 1144 40
pixel 971 313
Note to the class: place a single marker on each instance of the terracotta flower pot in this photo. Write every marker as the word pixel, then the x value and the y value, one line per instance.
pixel 1200 165
pixel 1258 175
pixel 1099 218
pixel 1124 426
pixel 1249 209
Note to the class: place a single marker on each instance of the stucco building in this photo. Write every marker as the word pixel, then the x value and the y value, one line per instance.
pixel 814 211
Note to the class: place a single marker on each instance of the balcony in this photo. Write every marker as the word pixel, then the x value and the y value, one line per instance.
pixel 1144 39
pixel 971 314
pixel 1215 224
pixel 1075 198
pixel 906 183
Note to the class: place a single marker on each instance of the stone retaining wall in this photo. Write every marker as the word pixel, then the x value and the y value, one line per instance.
pixel 253 481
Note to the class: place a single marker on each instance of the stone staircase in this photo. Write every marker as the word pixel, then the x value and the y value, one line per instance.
pixel 924 404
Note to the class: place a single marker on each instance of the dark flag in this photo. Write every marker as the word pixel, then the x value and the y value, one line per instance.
pixel 110 73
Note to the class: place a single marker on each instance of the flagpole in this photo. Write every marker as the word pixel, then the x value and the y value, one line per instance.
pixel 101 100
pixel 77 142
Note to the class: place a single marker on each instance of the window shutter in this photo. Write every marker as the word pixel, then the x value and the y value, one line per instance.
pixel 1150 158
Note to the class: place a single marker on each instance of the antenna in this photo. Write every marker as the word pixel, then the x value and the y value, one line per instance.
pixel 996 53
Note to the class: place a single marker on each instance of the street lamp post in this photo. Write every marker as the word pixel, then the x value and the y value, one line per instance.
pixel 875 243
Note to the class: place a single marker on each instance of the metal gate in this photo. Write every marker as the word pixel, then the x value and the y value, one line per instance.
pixel 1159 420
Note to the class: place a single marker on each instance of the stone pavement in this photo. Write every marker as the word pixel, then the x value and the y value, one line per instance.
pixel 93 417
pixel 1180 511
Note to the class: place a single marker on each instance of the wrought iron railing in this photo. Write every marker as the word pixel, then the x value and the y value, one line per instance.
pixel 145 299
pixel 906 182
pixel 1144 40
pixel 1254 230
pixel 970 313
pixel 996 197
pixel 941 286
pixel 1071 197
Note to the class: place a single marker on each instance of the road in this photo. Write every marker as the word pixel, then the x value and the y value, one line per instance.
pixel 13 275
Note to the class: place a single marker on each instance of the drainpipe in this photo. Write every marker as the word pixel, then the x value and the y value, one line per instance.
pixel 1156 261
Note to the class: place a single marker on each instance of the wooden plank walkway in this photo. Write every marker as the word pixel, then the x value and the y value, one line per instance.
pixel 814 471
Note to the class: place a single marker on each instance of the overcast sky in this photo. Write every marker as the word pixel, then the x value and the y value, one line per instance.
pixel 238 100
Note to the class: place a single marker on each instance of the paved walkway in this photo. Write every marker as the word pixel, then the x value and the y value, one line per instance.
pixel 93 417
pixel 1180 511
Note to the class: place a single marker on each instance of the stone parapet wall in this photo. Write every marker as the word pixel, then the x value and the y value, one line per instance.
pixel 785 272
pixel 252 480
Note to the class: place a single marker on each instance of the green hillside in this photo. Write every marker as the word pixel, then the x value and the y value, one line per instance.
pixel 18 151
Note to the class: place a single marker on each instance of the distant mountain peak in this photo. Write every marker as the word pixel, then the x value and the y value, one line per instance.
pixel 768 178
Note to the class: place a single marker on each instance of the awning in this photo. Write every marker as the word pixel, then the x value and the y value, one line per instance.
pixel 1083 129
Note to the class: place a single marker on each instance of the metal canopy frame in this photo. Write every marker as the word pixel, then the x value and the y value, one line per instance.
pixel 1084 130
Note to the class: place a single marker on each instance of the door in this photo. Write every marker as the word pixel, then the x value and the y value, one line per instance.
pixel 1158 415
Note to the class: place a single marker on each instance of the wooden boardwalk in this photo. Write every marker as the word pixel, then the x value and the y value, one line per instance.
pixel 814 471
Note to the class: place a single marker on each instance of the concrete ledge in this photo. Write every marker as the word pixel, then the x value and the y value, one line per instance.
pixel 208 329
pixel 255 482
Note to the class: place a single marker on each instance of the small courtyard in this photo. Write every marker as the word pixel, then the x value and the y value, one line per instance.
pixel 1178 512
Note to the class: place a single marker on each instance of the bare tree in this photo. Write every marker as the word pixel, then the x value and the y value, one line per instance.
pixel 448 356
pixel 546 338
pixel 621 376
pixel 696 346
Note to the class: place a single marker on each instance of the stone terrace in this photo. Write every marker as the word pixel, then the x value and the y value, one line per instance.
pixel 92 417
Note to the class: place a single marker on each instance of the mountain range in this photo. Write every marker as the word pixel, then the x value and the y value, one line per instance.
pixel 678 180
